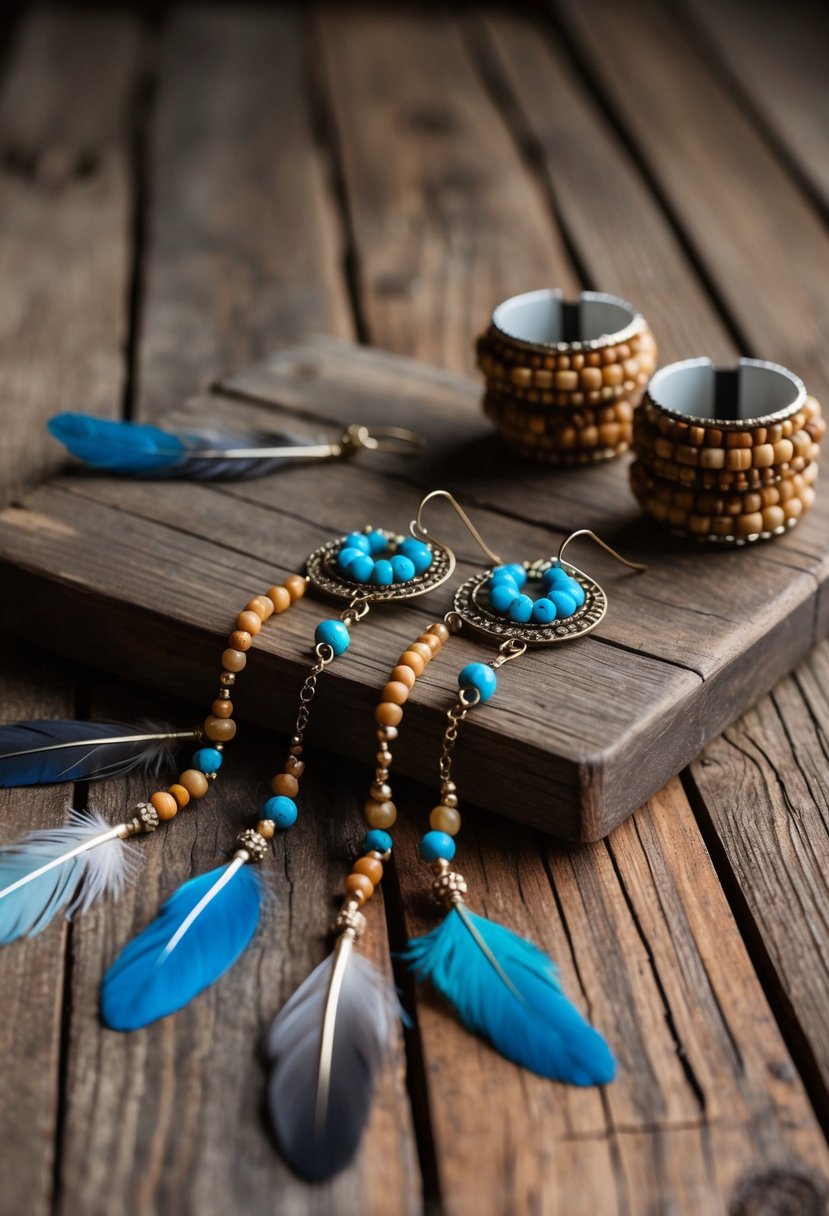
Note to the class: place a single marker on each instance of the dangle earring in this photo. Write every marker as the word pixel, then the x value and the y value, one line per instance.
pixel 70 867
pixel 330 1039
pixel 209 921
pixel 502 986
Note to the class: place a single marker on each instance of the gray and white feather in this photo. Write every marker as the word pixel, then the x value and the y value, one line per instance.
pixel 66 867
pixel 319 1093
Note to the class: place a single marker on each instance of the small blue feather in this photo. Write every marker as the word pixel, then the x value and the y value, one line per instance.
pixel 53 750
pixel 140 450
pixel 507 990
pixel 199 933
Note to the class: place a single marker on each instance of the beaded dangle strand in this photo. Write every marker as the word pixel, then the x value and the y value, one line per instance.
pixel 72 866
pixel 210 920
pixel 331 1037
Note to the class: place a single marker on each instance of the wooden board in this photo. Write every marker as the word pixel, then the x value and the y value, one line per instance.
pixel 595 727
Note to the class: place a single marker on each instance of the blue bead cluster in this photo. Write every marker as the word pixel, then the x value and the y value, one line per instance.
pixel 359 558
pixel 563 595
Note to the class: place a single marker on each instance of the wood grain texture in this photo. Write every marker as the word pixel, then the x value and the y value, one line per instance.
pixel 763 795
pixel 32 973
pixel 65 202
pixel 244 244
pixel 707 1102
pixel 778 60
pixel 446 221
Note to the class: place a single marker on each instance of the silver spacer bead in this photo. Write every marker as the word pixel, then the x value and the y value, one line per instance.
pixel 386 734
pixel 145 818
pixel 350 919
pixel 380 791
pixel 449 888
pixel 227 678
pixel 256 845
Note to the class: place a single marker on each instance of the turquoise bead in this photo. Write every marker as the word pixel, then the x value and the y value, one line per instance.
pixel 564 602
pixel 576 590
pixel 377 542
pixel 403 567
pixel 556 576
pixel 361 568
pixel 502 595
pixel 383 573
pixel 334 634
pixel 417 552
pixel 283 811
pixel 544 611
pixel 435 845
pixel 480 676
pixel 207 760
pixel 515 570
pixel 347 555
pixel 377 841
pixel 521 609
pixel 357 540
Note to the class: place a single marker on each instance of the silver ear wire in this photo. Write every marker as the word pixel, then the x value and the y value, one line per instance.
pixel 419 532
pixel 588 532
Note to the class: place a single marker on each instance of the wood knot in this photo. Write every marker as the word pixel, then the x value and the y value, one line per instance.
pixel 780 1192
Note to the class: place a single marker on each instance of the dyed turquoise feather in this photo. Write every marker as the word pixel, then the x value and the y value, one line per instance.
pixel 507 990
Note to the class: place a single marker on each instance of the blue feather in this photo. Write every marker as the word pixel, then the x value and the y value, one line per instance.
pixel 507 990
pixel 43 751
pixel 140 450
pixel 199 933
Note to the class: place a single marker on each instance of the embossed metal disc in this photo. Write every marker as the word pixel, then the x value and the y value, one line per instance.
pixel 472 605
pixel 326 576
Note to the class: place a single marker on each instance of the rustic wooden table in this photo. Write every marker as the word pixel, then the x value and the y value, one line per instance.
pixel 182 194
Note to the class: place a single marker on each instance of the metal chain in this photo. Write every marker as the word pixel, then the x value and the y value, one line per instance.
pixel 324 655
pixel 467 698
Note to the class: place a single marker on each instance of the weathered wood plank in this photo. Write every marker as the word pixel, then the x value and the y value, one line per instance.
pixel 706 1101
pixel 764 799
pixel 779 59
pixel 446 220
pixel 32 973
pixel 244 243
pixel 65 200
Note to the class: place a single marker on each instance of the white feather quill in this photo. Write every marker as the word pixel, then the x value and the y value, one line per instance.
pixel 66 867
pixel 326 1046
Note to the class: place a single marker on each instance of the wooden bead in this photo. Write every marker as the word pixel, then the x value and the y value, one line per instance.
pixel 429 639
pixel 773 517
pixel 262 606
pixel 379 814
pixel 762 457
pixel 240 639
pixel 747 525
pixel 266 828
pixel 220 730
pixel 295 586
pixel 388 714
pixel 783 451
pixel 397 693
pixel 371 867
pixel 360 887
pixel 249 622
pixel 280 597
pixel 194 782
pixel 423 650
pixel 403 675
pixel 738 459
pixel 285 784
pixel 233 660
pixel 180 794
pixel 439 630
pixel 294 766
pixel 410 658
pixel 221 708
pixel 445 819
pixel 165 804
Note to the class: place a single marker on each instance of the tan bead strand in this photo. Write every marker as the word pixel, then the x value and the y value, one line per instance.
pixel 379 809
pixel 219 726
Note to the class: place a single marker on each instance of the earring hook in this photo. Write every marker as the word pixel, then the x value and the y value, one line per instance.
pixel 419 532
pixel 588 532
